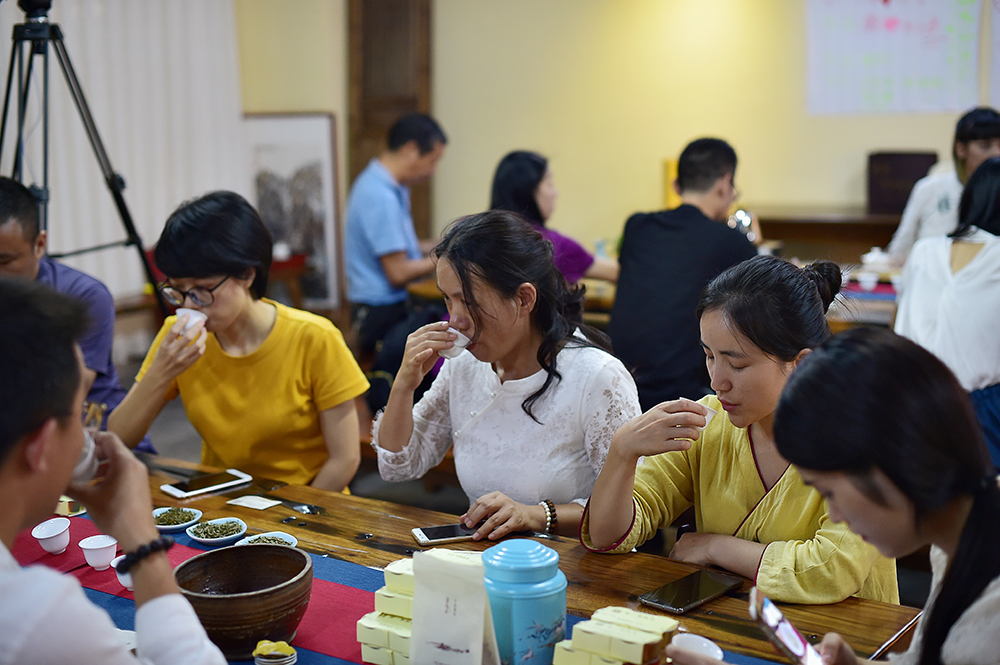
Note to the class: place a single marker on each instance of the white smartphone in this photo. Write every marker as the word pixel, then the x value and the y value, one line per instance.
pixel 690 591
pixel 788 641
pixel 210 482
pixel 448 533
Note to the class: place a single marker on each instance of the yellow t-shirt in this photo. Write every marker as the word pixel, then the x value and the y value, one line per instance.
pixel 259 413
pixel 808 558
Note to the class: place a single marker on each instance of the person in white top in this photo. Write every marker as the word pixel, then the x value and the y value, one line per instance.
pixel 530 410
pixel 950 298
pixel 45 616
pixel 904 465
pixel 932 209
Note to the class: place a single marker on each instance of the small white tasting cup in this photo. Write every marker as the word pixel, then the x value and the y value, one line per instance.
pixel 460 345
pixel 194 316
pixel 708 417
pixel 697 644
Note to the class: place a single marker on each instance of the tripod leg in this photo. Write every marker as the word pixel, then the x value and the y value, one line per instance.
pixel 114 181
pixel 14 58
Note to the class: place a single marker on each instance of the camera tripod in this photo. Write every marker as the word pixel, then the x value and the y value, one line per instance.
pixel 37 33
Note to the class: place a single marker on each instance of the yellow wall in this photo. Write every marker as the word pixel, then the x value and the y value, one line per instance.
pixel 606 89
pixel 293 57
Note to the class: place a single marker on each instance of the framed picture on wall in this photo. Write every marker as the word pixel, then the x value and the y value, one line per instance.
pixel 294 170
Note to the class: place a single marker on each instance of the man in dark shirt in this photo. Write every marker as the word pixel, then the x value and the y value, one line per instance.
pixel 22 254
pixel 667 259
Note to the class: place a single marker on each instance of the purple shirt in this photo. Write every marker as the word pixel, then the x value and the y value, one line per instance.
pixel 572 260
pixel 96 342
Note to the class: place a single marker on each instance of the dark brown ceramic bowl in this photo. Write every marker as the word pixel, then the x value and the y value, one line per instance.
pixel 247 593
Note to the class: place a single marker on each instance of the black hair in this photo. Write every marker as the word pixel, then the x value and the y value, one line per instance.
pixel 703 162
pixel 980 123
pixel 778 306
pixel 219 233
pixel 980 203
pixel 17 203
pixel 515 182
pixel 504 251
pixel 901 411
pixel 41 373
pixel 417 127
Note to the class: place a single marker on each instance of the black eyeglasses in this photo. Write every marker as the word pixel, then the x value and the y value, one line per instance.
pixel 199 295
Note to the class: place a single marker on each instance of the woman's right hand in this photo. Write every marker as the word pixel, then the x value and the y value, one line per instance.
pixel 422 347
pixel 666 427
pixel 179 349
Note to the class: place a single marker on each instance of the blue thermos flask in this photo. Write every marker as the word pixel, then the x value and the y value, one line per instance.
pixel 527 593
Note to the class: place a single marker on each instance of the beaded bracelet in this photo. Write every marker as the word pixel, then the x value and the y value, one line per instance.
pixel 161 544
pixel 550 515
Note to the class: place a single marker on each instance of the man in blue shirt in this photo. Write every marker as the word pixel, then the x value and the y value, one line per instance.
pixel 382 252
pixel 22 254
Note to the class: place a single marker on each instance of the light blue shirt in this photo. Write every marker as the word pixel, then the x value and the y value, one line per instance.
pixel 378 223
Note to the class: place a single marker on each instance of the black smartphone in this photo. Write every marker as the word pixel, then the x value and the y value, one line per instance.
pixel 690 591
pixel 209 482
pixel 448 533
pixel 783 635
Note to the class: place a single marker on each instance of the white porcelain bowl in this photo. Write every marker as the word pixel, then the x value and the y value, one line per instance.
pixel 697 644
pixel 99 551
pixel 170 528
pixel 287 537
pixel 124 578
pixel 227 540
pixel 53 535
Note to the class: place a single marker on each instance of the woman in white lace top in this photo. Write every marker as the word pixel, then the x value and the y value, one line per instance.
pixel 530 410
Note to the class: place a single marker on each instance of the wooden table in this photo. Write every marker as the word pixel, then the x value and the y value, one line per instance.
pixel 375 533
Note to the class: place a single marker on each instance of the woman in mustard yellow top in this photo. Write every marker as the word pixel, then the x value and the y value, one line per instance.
pixel 269 388
pixel 755 516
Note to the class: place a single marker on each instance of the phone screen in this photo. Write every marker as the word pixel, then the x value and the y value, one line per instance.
pixel 447 532
pixel 200 483
pixel 690 591
pixel 780 631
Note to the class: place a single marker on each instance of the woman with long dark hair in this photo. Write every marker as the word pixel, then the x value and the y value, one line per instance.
pixel 529 411
pixel 269 388
pixel 949 299
pixel 523 184
pixel 753 513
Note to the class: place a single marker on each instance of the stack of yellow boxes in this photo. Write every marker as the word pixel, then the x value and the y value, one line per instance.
pixel 385 633
pixel 617 635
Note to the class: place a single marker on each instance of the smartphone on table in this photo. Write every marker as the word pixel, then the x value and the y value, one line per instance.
pixel 210 482
pixel 690 591
pixel 788 641
pixel 447 533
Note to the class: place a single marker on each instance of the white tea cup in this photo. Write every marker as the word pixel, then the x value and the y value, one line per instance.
pixel 124 578
pixel 697 644
pixel 99 551
pixel 867 280
pixel 194 316
pixel 460 345
pixel 53 535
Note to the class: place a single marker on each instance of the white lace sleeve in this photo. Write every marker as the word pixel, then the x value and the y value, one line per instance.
pixel 431 438
pixel 609 401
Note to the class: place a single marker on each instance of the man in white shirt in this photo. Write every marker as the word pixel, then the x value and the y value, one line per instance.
pixel 45 616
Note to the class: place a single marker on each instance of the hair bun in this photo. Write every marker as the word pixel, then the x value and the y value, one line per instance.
pixel 828 279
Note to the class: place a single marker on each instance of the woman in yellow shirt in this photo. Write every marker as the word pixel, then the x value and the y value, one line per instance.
pixel 269 388
pixel 754 514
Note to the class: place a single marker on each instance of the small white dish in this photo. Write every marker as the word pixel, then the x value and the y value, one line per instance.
pixel 124 578
pixel 53 535
pixel 171 528
pixel 697 644
pixel 226 540
pixel 99 551
pixel 194 316
pixel 460 345
pixel 287 537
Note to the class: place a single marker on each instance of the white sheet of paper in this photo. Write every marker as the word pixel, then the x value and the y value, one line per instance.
pixel 255 502
pixel 452 622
